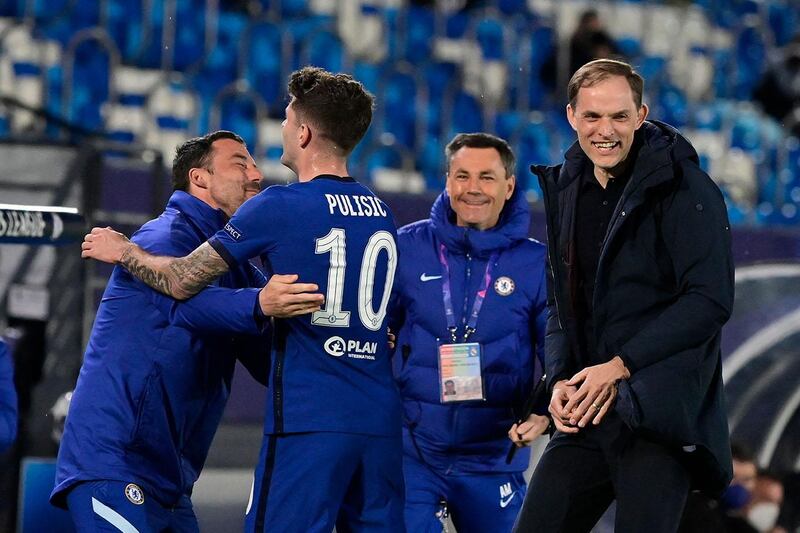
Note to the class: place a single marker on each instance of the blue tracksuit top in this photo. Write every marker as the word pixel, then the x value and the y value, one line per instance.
pixel 8 399
pixel 468 436
pixel 157 372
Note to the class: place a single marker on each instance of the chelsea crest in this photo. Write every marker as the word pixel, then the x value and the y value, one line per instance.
pixel 504 286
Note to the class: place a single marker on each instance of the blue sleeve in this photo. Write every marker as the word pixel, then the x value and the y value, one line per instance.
pixel 8 400
pixel 212 310
pixel 251 231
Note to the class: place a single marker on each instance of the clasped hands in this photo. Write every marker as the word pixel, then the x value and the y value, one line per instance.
pixel 587 396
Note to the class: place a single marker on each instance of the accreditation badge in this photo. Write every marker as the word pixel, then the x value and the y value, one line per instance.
pixel 460 377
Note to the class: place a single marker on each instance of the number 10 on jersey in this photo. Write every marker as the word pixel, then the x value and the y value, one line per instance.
pixel 334 243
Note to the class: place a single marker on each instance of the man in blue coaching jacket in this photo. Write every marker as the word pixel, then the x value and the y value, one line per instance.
pixel 157 373
pixel 472 257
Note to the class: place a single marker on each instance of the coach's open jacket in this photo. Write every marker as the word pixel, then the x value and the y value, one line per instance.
pixel 157 373
pixel 663 290
pixel 471 436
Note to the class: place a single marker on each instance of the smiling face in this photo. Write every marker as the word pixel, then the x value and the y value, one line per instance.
pixel 605 118
pixel 233 175
pixel 478 186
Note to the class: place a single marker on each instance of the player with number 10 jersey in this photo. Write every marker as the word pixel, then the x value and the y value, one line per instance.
pixel 330 369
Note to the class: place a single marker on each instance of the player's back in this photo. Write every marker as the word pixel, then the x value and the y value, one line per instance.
pixel 330 369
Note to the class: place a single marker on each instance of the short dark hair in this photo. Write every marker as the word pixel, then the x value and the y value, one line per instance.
pixel 482 140
pixel 598 70
pixel 337 104
pixel 196 153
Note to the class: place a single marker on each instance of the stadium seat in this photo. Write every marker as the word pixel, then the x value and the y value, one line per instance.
pixel 324 49
pixel 463 113
pixel 239 109
pixel 439 78
pixel 189 45
pixel 263 51
pixel 90 59
pixel 490 35
pixel 124 22
pixel 419 33
pixel 399 98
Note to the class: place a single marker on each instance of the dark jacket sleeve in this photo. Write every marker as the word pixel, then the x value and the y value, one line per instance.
pixel 538 327
pixel 696 234
pixel 558 357
pixel 8 400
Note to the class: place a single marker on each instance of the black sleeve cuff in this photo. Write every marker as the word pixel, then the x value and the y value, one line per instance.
pixel 222 251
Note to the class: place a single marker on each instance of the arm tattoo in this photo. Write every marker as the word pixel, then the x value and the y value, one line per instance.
pixel 179 277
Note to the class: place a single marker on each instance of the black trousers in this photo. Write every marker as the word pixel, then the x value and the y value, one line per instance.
pixel 580 474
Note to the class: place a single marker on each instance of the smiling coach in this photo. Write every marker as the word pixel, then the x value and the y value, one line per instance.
pixel 641 284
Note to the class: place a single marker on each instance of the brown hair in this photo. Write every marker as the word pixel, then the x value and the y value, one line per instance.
pixel 337 104
pixel 598 70
pixel 196 153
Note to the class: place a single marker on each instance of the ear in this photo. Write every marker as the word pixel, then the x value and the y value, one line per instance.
pixel 198 177
pixel 304 135
pixel 511 183
pixel 642 115
pixel 571 117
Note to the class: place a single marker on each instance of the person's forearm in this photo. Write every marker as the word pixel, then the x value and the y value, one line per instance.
pixel 179 277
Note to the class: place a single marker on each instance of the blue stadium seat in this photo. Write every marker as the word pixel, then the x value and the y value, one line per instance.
pixel 783 19
pixel 438 77
pixel 59 20
pixel 324 49
pixel 465 113
pixel 533 147
pixel 630 47
pixel 148 55
pixel 220 68
pixel 190 34
pixel 513 7
pixel 368 74
pixel 263 54
pixel 89 85
pixel 239 112
pixel 430 162
pixel 456 24
pixel 507 124
pixel 397 101
pixel 746 133
pixel 489 34
pixel 674 105
pixel 124 23
pixel 419 32
pixel 381 155
pixel 750 61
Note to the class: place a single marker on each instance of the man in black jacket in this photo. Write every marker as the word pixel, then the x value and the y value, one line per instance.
pixel 641 282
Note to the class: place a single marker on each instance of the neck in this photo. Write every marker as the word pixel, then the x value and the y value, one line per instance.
pixel 603 175
pixel 318 164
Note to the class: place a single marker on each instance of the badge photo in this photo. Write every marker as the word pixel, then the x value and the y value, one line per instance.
pixel 504 286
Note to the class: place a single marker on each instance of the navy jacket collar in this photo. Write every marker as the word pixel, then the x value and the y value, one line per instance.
pixel 206 218
pixel 512 226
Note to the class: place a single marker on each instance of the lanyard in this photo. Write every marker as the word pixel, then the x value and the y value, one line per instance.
pixel 447 295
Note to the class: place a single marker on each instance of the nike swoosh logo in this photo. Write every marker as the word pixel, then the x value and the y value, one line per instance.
pixel 425 277
pixel 505 501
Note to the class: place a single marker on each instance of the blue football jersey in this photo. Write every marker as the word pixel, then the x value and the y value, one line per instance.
pixel 330 369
